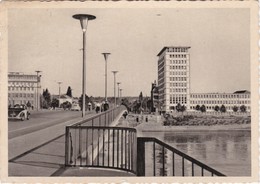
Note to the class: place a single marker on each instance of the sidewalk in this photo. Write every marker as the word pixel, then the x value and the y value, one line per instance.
pixel 41 156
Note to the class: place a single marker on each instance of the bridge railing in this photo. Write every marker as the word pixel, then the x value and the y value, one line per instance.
pixel 99 146
pixel 156 158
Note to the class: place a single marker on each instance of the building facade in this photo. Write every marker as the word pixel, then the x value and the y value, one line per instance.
pixel 22 88
pixel 173 77
pixel 174 85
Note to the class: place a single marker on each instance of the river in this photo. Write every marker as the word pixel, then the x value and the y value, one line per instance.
pixel 226 151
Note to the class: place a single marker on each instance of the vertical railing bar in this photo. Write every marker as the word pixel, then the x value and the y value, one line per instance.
pixel 163 161
pixel 202 171
pixel 117 148
pixel 80 149
pixel 192 169
pixel 92 142
pixel 113 152
pixel 75 157
pixel 66 146
pixel 122 148
pixel 183 166
pixel 173 164
pixel 129 150
pixel 125 148
pixel 154 171
pixel 132 151
pixel 103 147
pixel 105 118
pixel 98 149
pixel 108 144
pixel 212 174
pixel 86 146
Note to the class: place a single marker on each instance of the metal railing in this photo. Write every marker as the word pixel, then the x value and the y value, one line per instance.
pixel 106 147
pixel 167 161
pixel 101 119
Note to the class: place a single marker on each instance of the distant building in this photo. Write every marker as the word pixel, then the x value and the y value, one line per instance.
pixel 174 85
pixel 22 88
pixel 173 77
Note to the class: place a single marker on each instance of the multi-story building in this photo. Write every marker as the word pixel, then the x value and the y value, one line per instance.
pixel 174 85
pixel 22 88
pixel 173 77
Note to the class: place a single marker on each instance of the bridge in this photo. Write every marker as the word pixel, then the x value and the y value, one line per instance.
pixel 99 143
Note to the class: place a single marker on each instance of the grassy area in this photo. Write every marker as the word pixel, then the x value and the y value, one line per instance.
pixel 193 120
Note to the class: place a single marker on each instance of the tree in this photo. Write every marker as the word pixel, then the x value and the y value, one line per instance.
pixel 216 108
pixel 46 99
pixel 183 108
pixel 243 108
pixel 141 97
pixel 203 108
pixel 69 92
pixel 235 108
pixel 178 107
pixel 87 100
pixel 222 108
pixel 54 103
pixel 197 107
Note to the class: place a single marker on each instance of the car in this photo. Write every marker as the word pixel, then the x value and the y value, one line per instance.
pixel 18 112
pixel 75 107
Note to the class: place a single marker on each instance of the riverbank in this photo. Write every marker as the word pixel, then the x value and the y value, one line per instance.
pixel 152 123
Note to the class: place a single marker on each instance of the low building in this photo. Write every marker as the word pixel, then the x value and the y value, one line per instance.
pixel 22 89
pixel 229 100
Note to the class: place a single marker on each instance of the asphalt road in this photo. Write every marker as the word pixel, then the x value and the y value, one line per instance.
pixel 39 120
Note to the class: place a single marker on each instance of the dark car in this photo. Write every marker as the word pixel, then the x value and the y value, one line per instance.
pixel 18 112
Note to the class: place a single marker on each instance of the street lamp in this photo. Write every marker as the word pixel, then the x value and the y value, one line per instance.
pixel 84 22
pixel 120 95
pixel 118 91
pixel 106 57
pixel 37 92
pixel 114 72
pixel 59 87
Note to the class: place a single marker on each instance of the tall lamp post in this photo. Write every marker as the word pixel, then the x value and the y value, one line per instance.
pixel 37 90
pixel 84 18
pixel 118 92
pixel 114 72
pixel 106 57
pixel 59 91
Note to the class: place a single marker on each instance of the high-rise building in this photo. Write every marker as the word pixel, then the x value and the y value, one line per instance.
pixel 173 77
pixel 22 88
pixel 174 86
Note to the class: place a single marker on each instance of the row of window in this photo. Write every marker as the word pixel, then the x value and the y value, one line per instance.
pixel 176 100
pixel 220 96
pixel 221 102
pixel 178 73
pixel 177 67
pixel 178 90
pixel 20 88
pixel 21 83
pixel 213 107
pixel 31 95
pixel 175 84
pixel 178 61
pixel 22 76
pixel 178 56
pixel 177 49
pixel 178 78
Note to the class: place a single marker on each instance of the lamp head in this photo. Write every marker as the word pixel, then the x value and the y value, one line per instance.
pixel 106 54
pixel 84 20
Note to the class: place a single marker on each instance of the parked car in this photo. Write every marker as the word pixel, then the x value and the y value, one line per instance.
pixel 18 112
pixel 75 107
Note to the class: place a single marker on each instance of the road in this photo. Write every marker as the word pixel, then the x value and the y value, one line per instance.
pixel 39 120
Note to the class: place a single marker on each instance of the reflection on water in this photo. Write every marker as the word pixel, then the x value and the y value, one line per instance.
pixel 226 151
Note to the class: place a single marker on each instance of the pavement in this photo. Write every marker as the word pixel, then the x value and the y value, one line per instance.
pixel 37 155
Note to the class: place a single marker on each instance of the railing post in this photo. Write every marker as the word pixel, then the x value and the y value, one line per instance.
pixel 67 146
pixel 140 162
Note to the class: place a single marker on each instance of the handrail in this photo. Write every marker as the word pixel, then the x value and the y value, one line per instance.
pixel 142 140
pixel 101 146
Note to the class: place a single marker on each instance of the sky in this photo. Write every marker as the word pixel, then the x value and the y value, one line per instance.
pixel 50 40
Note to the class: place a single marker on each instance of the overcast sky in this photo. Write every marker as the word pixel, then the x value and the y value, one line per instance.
pixel 50 40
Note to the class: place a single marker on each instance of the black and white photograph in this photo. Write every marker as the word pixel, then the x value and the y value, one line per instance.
pixel 130 90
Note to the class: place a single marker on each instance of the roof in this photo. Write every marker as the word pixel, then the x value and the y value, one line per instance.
pixel 163 49
pixel 241 91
